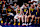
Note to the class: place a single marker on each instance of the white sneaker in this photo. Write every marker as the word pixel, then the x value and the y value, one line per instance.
pixel 27 24
pixel 30 23
pixel 23 24
pixel 0 26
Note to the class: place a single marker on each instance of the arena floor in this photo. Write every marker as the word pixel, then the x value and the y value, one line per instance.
pixel 36 25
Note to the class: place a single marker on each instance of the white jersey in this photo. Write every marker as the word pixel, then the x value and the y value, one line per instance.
pixel 34 2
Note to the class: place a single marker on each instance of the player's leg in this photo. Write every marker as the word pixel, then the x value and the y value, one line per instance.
pixel 31 20
pixel 19 20
pixel 36 16
pixel 38 20
pixel 23 20
pixel 15 17
pixel 35 19
pixel 14 21
pixel 26 20
pixel 32 17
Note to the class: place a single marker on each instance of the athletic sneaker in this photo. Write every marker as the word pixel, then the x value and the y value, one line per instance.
pixel 27 24
pixel 30 23
pixel 18 23
pixel 23 24
pixel 0 26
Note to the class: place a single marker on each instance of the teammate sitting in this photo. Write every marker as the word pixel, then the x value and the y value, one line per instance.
pixel 31 13
pixel 38 10
pixel 9 11
pixel 36 13
pixel 18 15
pixel 25 14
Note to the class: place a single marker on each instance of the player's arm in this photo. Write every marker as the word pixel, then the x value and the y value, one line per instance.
pixel 37 9
pixel 11 7
pixel 16 11
pixel 29 11
pixel 21 11
pixel 32 2
pixel 26 11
